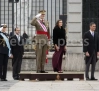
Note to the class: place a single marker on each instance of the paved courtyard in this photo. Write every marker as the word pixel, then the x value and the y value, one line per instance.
pixel 75 85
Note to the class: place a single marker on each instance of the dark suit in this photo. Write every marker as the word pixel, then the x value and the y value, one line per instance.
pixel 3 57
pixel 91 45
pixel 11 34
pixel 17 50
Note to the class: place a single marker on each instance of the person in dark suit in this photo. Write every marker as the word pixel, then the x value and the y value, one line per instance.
pixel 91 50
pixel 17 50
pixel 4 53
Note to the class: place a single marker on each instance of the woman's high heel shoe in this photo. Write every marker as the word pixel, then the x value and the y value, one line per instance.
pixel 60 72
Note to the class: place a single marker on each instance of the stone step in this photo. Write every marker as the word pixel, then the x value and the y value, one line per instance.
pixel 31 55
pixel 51 76
pixel 50 53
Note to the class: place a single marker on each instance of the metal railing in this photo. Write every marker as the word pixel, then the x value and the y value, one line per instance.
pixel 90 14
pixel 19 13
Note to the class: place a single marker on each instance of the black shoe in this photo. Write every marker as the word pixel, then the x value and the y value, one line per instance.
pixel 38 72
pixel 87 79
pixel 55 71
pixel 60 72
pixel 16 78
pixel 4 80
pixel 44 72
pixel 93 79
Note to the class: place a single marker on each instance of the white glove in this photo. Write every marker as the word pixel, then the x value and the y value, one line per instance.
pixel 49 42
pixel 10 55
pixel 38 15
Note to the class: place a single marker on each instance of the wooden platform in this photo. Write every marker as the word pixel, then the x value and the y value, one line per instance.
pixel 51 76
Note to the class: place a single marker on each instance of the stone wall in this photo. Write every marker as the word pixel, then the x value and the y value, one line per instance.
pixel 71 62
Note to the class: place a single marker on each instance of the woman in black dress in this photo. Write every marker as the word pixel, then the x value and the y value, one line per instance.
pixel 59 41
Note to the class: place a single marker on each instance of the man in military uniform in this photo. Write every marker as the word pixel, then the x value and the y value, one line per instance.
pixel 42 38
pixel 4 52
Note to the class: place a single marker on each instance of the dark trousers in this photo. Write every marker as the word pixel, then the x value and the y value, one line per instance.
pixel 3 65
pixel 16 64
pixel 90 60
pixel 57 59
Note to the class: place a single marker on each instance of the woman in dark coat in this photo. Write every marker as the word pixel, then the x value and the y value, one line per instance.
pixel 59 41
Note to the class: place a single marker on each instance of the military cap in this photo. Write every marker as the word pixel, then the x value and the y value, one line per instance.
pixel 42 11
pixel 4 25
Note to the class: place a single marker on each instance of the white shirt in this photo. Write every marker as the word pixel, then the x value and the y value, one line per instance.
pixel 92 32
pixel 18 37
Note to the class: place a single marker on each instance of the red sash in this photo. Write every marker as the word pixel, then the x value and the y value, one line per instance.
pixel 43 32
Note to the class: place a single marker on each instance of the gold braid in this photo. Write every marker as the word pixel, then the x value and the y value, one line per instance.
pixel 2 41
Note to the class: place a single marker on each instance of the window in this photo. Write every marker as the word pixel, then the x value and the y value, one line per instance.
pixel 90 14
pixel 15 1
pixel 64 6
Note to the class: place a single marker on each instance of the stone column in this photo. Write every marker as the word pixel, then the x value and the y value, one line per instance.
pixel 74 59
pixel 74 25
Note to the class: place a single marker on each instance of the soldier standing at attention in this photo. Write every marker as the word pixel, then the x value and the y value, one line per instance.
pixel 42 38
pixel 4 53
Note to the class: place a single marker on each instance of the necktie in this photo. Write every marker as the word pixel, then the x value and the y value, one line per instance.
pixel 93 34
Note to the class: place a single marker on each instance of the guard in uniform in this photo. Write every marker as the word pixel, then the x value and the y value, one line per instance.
pixel 4 53
pixel 42 39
